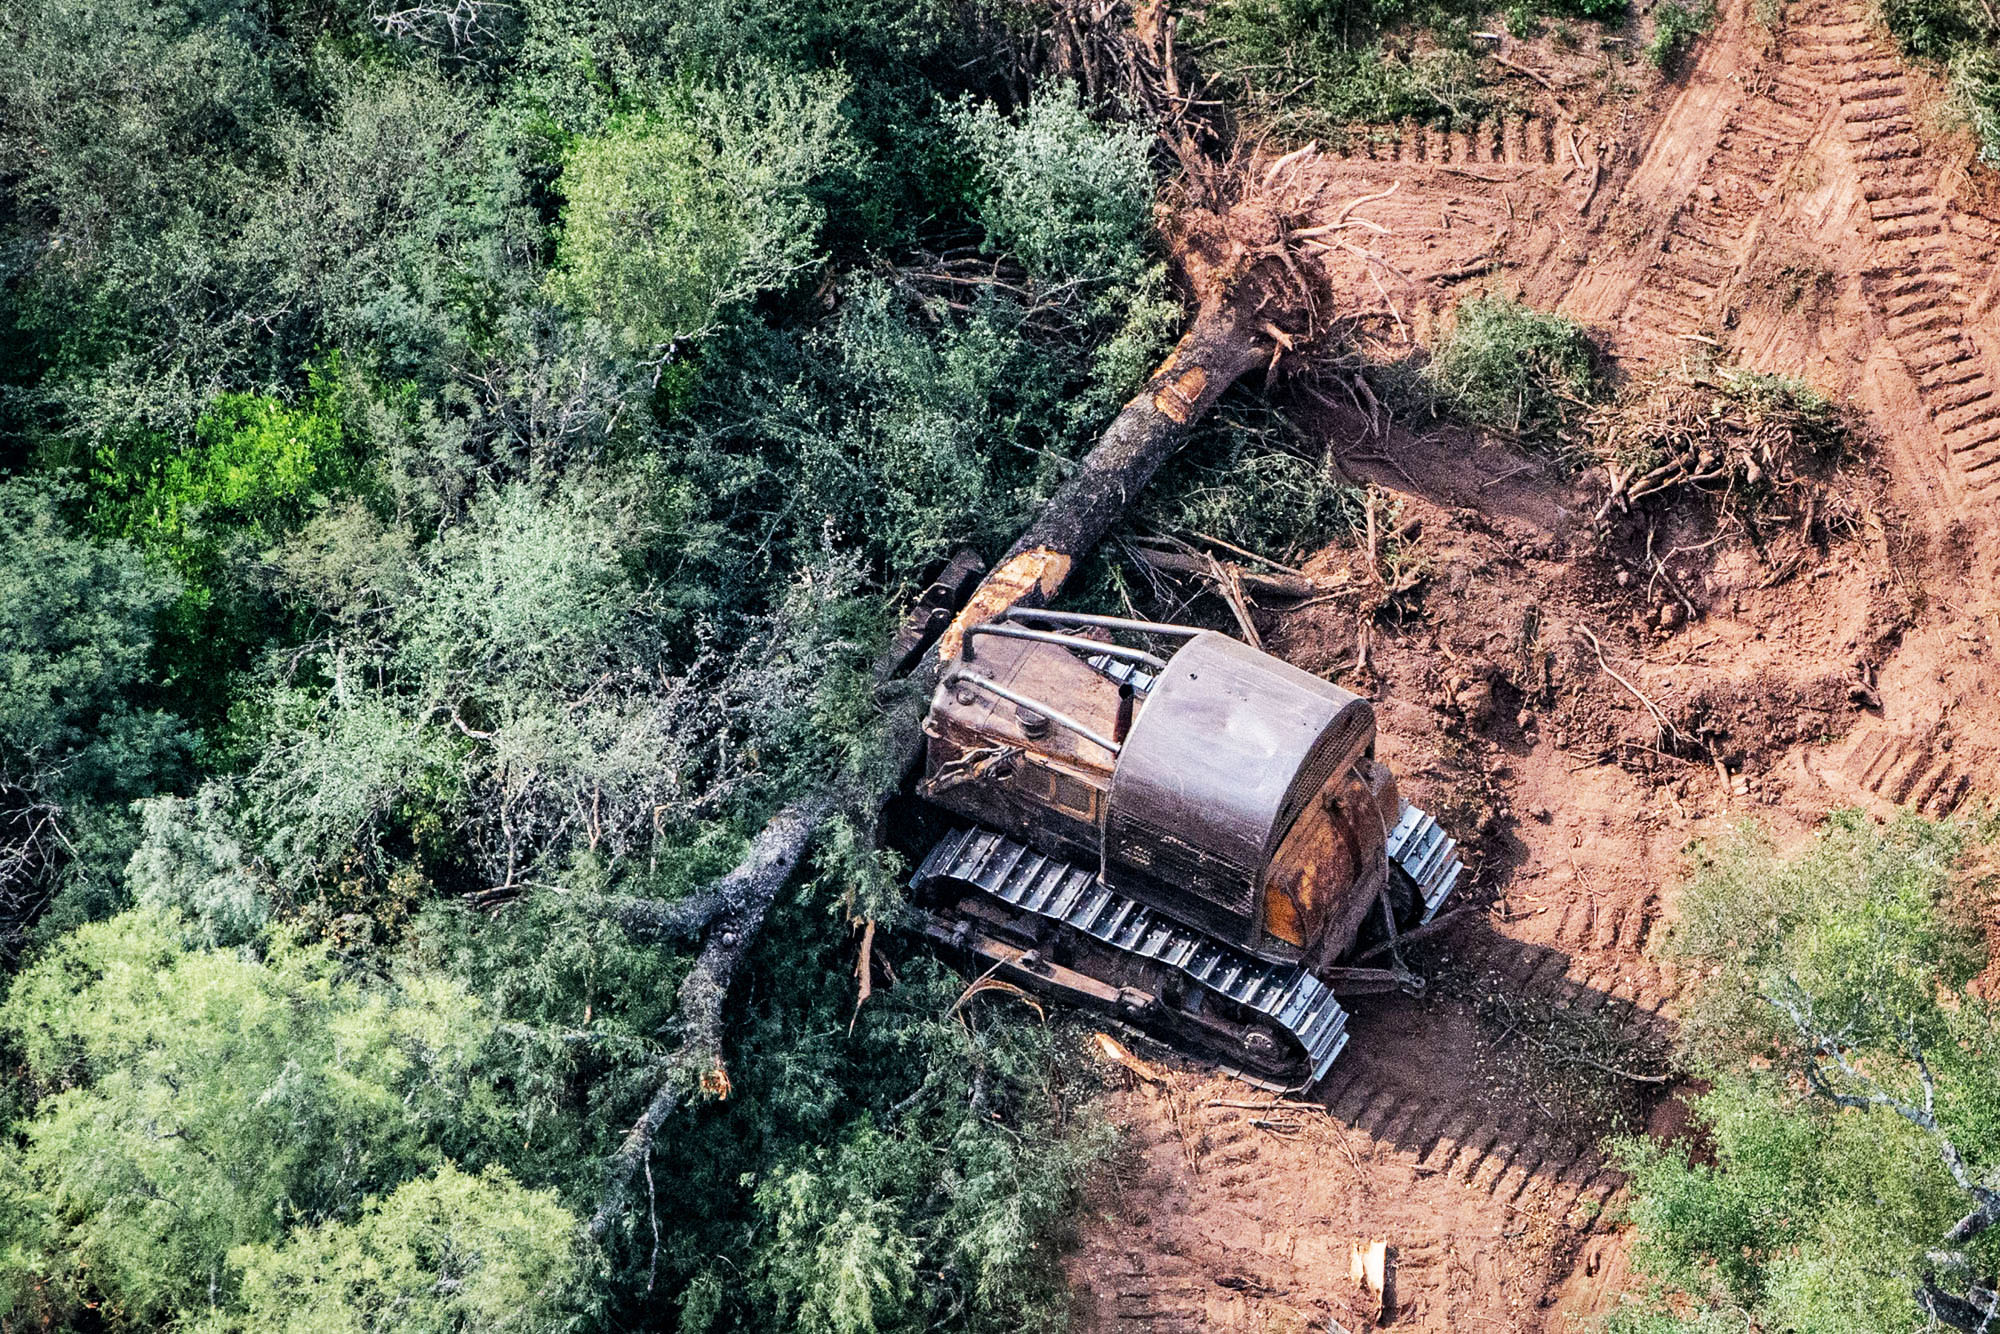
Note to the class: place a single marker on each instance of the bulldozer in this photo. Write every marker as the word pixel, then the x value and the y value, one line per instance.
pixel 1173 828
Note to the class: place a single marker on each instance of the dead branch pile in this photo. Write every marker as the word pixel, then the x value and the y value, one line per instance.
pixel 1754 443
pixel 1124 58
pixel 1387 570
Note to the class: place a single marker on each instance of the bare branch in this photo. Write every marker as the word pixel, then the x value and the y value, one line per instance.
pixel 1821 1046
pixel 745 894
pixel 451 27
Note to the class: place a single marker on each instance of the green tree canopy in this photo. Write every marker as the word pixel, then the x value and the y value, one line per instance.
pixel 680 212
pixel 77 740
pixel 1854 1120
pixel 505 434
pixel 195 1100
pixel 441 1254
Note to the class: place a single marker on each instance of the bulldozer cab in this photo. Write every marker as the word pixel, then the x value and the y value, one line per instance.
pixel 1224 788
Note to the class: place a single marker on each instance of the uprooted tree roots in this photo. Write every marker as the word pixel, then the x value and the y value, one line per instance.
pixel 1755 444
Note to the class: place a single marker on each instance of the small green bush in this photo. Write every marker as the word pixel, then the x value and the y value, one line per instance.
pixel 1511 368
pixel 1240 485
pixel 678 214
pixel 256 464
pixel 1975 83
pixel 1936 29
pixel 439 1254
pixel 1963 38
pixel 1676 24
pixel 254 468
pixel 1069 197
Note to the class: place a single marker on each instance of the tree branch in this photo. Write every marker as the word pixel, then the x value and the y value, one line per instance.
pixel 1820 1044
pixel 745 895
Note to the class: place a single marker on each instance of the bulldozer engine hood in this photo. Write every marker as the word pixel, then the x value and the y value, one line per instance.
pixel 1228 748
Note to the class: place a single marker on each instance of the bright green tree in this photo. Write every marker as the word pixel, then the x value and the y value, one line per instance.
pixel 679 213
pixel 441 1254
pixel 1855 1114
pixel 194 1100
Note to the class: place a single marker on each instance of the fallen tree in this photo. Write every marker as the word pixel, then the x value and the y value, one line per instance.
pixel 1240 261
pixel 739 901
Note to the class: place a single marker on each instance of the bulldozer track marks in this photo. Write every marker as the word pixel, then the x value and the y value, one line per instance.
pixel 1601 971
pixel 1392 1133
pixel 1500 1160
pixel 1517 140
pixel 1435 1132
pixel 1915 285
pixel 1834 76
pixel 1907 770
pixel 1703 246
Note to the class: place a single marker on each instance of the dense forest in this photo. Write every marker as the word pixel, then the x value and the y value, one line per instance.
pixel 460 464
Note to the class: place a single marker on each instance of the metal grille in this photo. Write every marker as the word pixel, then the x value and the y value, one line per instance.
pixel 1336 750
pixel 1183 865
pixel 1072 794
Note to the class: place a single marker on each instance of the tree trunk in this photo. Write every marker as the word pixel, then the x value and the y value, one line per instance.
pixel 1216 351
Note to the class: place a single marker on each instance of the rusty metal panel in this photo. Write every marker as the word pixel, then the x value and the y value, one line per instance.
pixel 1227 749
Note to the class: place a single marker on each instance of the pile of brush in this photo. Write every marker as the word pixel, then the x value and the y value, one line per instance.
pixel 1749 440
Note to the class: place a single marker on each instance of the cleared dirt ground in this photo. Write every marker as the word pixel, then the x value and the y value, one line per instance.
pixel 1793 208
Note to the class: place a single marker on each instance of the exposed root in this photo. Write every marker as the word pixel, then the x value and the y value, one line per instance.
pixel 1750 442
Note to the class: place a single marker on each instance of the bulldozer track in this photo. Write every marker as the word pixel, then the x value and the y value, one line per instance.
pixel 1907 770
pixel 1050 888
pixel 1613 978
pixel 1705 244
pixel 1915 285
pixel 1499 1159
pixel 1508 139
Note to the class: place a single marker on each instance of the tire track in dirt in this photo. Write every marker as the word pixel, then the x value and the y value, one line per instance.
pixel 1929 773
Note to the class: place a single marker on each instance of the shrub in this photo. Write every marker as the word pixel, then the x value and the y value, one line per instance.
pixel 1962 38
pixel 1525 372
pixel 1069 197
pixel 1676 25
pixel 78 740
pixel 256 466
pixel 440 1254
pixel 678 213
pixel 1936 30
pixel 1975 83
pixel 1240 483
pixel 195 1100
pixel 1323 66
